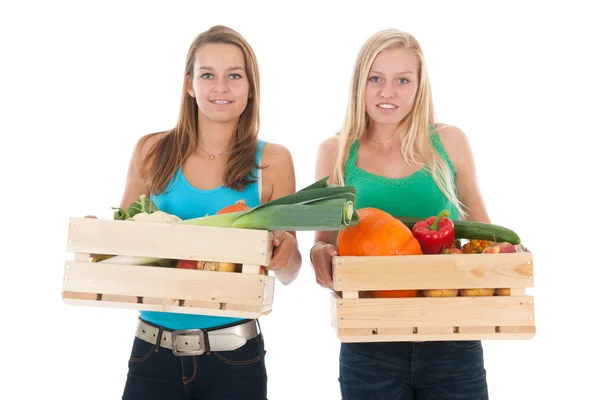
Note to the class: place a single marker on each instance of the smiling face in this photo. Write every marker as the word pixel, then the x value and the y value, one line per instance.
pixel 219 82
pixel 392 86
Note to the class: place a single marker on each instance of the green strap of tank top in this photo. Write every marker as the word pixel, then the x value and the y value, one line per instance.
pixel 415 195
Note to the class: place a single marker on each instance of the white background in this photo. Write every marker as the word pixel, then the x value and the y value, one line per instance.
pixel 91 78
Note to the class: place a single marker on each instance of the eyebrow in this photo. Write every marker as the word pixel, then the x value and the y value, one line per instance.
pixel 212 69
pixel 397 73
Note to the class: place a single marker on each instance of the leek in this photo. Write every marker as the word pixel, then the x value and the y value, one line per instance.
pixel 317 207
pixel 138 260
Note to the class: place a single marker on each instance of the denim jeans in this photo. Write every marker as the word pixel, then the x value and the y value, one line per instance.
pixel 155 373
pixel 450 370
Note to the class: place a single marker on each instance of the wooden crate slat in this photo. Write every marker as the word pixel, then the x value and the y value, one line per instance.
pixel 165 283
pixel 156 300
pixel 434 330
pixel 269 292
pixel 232 310
pixel 121 298
pixel 81 296
pixel 351 336
pixel 448 271
pixel 213 305
pixel 476 329
pixel 516 329
pixel 173 241
pixel 435 312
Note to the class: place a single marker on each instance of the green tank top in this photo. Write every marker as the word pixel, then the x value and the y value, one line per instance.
pixel 415 195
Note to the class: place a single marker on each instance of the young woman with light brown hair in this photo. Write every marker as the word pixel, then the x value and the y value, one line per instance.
pixel 209 160
pixel 402 161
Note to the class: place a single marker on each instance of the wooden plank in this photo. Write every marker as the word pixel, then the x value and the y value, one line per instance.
pixel 361 332
pixel 447 271
pixel 213 305
pixel 516 329
pixel 434 330
pixel 435 312
pixel 251 269
pixel 476 329
pixel 172 241
pixel 163 302
pixel 269 290
pixel 333 309
pixel 119 298
pixel 81 296
pixel 244 307
pixel 354 336
pixel 234 313
pixel 167 283
pixel 85 257
pixel 385 332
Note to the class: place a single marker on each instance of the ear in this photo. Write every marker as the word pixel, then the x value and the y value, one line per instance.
pixel 188 86
pixel 250 94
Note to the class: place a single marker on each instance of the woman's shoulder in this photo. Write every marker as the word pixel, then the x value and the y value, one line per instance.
pixel 448 132
pixel 453 139
pixel 278 174
pixel 275 154
pixel 147 142
pixel 329 147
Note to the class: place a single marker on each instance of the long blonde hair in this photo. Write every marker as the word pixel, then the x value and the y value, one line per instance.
pixel 169 152
pixel 414 129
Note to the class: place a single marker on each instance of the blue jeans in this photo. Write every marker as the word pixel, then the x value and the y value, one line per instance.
pixel 451 370
pixel 155 373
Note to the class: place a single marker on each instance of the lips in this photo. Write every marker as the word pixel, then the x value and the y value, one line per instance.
pixel 220 101
pixel 387 106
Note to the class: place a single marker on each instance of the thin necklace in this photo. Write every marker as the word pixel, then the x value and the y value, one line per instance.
pixel 383 144
pixel 212 156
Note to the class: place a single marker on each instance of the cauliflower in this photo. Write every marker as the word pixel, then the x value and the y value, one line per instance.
pixel 156 216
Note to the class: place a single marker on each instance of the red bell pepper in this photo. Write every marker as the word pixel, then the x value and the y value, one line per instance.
pixel 434 233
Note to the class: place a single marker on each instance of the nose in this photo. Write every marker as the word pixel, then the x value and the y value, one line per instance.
pixel 387 90
pixel 221 85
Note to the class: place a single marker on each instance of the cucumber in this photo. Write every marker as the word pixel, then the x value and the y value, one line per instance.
pixel 474 230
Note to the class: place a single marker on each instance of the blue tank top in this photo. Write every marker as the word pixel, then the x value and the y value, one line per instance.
pixel 186 201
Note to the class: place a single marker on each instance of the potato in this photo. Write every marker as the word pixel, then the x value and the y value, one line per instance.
pixel 503 292
pixel 216 266
pixel 476 292
pixel 440 292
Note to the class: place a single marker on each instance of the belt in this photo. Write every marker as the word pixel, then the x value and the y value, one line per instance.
pixel 191 342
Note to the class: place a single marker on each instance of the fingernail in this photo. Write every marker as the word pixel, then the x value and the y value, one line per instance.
pixel 276 242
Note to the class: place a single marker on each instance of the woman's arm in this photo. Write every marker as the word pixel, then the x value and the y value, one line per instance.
pixel 134 183
pixel 325 241
pixel 457 146
pixel 280 176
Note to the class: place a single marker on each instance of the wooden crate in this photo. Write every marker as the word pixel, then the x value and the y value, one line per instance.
pixel 248 294
pixel 359 319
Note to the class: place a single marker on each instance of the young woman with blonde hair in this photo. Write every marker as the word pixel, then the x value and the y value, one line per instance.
pixel 210 159
pixel 400 160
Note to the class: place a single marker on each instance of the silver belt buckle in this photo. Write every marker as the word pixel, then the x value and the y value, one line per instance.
pixel 193 334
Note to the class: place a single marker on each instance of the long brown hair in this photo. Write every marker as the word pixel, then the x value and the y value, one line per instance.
pixel 414 129
pixel 172 149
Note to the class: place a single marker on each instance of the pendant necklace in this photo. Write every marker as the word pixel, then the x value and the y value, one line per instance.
pixel 212 156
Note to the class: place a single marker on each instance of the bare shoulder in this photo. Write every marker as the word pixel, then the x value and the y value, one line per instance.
pixel 147 142
pixel 275 155
pixel 455 142
pixel 328 147
pixel 451 135
pixel 279 177
pixel 135 184
pixel 326 156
